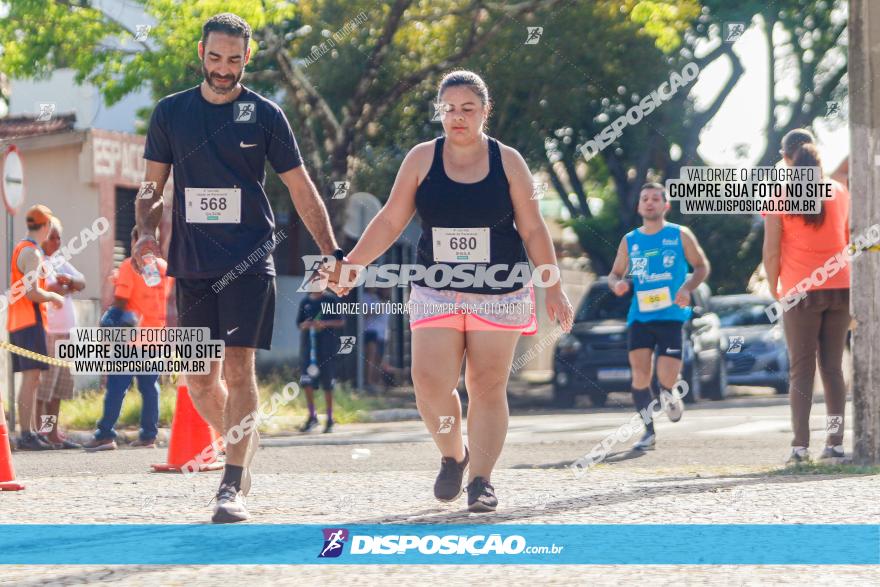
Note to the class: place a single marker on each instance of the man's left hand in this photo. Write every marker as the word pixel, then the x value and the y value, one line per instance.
pixel 683 297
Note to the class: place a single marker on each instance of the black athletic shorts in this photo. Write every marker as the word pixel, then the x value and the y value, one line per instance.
pixel 325 380
pixel 240 312
pixel 664 337
pixel 32 338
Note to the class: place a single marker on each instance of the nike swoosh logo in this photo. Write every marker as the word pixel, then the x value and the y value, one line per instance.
pixel 669 350
pixel 244 145
pixel 228 332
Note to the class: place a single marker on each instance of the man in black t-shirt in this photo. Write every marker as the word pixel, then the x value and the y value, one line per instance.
pixel 319 343
pixel 218 137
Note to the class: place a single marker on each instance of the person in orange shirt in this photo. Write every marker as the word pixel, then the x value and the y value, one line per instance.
pixel 148 305
pixel 26 315
pixel 803 248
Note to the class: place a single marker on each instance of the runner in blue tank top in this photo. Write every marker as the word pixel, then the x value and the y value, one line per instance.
pixel 656 258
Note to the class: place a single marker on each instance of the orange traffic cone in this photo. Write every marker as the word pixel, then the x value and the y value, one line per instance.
pixel 7 473
pixel 190 435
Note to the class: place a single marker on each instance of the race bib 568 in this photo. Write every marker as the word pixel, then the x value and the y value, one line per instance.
pixel 213 205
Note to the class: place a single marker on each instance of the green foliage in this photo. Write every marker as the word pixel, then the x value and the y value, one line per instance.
pixel 602 231
pixel 594 61
pixel 84 411
pixel 725 240
pixel 828 469
pixel 665 20
pixel 39 36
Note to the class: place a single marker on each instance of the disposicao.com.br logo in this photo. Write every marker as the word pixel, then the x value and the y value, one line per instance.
pixel 431 544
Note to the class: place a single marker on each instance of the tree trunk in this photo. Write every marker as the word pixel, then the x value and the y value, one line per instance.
pixel 864 33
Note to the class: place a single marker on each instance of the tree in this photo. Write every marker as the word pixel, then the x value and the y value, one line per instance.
pixel 339 66
pixel 806 38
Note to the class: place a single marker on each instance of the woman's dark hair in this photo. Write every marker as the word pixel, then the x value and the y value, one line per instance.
pixel 793 139
pixel 799 145
pixel 468 79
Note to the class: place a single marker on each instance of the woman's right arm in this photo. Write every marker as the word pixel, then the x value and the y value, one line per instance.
pixel 772 250
pixel 392 219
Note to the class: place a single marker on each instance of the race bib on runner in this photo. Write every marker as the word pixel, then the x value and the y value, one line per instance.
pixel 651 300
pixel 461 245
pixel 213 205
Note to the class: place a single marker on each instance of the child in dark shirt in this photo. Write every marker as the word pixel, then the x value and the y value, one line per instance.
pixel 319 341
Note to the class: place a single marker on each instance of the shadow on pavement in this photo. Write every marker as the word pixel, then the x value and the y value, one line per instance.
pixel 612 457
pixel 587 500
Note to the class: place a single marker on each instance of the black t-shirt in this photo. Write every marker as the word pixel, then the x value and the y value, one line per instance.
pixel 221 146
pixel 319 310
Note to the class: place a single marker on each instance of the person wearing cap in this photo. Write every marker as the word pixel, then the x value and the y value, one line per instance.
pixel 26 317
pixel 57 383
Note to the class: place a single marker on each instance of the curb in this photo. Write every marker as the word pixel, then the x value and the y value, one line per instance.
pixel 390 415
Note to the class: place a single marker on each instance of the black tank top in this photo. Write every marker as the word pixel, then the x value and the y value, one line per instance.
pixel 446 204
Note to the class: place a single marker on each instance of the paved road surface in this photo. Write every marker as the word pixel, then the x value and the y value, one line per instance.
pixel 715 466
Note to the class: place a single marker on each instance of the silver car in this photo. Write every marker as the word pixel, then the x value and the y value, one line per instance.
pixel 756 353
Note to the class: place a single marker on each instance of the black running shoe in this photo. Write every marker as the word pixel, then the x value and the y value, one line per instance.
pixel 310 423
pixel 31 441
pixel 329 426
pixel 448 486
pixel 481 496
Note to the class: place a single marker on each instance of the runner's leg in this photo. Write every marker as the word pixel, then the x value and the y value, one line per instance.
pixel 436 365
pixel 208 393
pixel 242 399
pixel 489 357
pixel 328 399
pixel 668 369
pixel 640 365
pixel 310 400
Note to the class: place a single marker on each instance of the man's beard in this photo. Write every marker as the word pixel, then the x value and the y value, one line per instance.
pixel 653 215
pixel 220 89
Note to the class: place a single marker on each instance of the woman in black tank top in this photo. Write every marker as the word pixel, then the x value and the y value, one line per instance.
pixel 443 203
pixel 474 198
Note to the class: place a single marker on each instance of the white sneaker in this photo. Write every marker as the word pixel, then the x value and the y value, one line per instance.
pixel 799 454
pixel 230 506
pixel 672 404
pixel 647 442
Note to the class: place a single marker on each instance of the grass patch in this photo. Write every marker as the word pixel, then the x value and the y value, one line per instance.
pixel 828 469
pixel 84 411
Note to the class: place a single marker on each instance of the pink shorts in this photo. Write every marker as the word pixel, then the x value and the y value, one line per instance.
pixel 438 308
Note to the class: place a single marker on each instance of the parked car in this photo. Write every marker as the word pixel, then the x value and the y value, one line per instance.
pixel 593 359
pixel 755 353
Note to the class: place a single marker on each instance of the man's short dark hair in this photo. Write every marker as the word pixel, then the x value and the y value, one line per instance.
pixel 653 185
pixel 228 24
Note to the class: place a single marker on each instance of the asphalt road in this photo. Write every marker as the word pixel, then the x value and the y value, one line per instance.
pixel 719 464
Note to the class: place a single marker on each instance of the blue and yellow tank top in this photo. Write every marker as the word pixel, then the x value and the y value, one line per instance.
pixel 658 269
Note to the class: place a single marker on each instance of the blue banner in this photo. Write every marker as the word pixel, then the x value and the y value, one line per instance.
pixel 721 544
